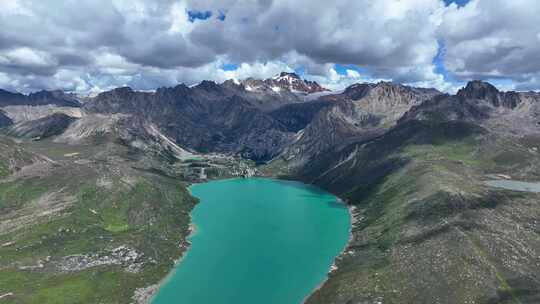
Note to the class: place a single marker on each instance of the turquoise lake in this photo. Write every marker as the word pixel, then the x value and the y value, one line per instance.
pixel 257 240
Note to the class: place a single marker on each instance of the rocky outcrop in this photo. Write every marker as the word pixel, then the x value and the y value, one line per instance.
pixel 4 119
pixel 297 116
pixel 293 82
pixel 17 108
pixel 479 90
pixel 424 218
pixel 448 108
pixel 232 118
pixel 57 97
pixel 361 112
pixel 22 113
pixel 48 126
pixel 428 229
pixel 481 103
pixel 207 118
pixel 290 82
pixel 388 100
pixel 128 258
pixel 338 129
pixel 90 127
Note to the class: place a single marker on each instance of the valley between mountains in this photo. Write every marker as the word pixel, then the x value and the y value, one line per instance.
pixel 94 206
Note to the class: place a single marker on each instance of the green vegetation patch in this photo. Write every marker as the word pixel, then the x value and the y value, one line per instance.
pixel 150 216
pixel 463 152
pixel 15 194
pixel 4 170
pixel 99 285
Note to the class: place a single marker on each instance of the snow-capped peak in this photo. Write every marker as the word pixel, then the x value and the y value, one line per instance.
pixel 295 84
pixel 287 77
pixel 285 81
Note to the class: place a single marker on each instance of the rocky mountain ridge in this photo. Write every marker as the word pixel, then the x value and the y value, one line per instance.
pixel 4 119
pixel 409 161
pixel 43 97
pixel 359 113
pixel 233 117
pixel 427 228
pixel 284 81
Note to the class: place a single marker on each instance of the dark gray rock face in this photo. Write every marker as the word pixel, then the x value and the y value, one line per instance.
pixel 382 110
pixel 234 117
pixel 9 98
pixel 449 108
pixel 48 126
pixel 259 119
pixel 253 118
pixel 485 91
pixel 481 103
pixel 290 82
pixel 207 118
pixel 361 112
pixel 4 120
pixel 58 98
pixel 297 116
pixel 421 204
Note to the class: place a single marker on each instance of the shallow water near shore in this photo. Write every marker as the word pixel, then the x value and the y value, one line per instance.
pixel 257 241
pixel 515 185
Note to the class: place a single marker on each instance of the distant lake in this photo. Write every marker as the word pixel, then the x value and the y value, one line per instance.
pixel 257 240
pixel 514 185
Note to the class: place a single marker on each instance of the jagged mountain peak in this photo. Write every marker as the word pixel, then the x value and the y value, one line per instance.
pixel 207 85
pixel 481 90
pixel 357 90
pixel 294 83
pixel 178 88
pixel 7 96
pixel 287 76
pixel 45 93
pixel 4 119
pixel 385 90
pixel 366 86
pixel 389 85
pixel 120 92
pixel 52 95
pixel 231 83
pixel 43 97
pixel 285 81
pixel 383 83
pixel 124 89
pixel 478 89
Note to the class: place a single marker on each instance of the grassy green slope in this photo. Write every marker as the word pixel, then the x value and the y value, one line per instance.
pixel 79 204
pixel 428 230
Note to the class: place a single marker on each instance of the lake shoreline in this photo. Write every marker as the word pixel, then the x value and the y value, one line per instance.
pixel 352 221
pixel 145 295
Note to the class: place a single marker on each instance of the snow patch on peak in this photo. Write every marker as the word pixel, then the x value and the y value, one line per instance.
pixel 287 79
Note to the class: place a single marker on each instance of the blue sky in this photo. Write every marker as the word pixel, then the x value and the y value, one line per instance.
pixel 229 67
pixel 194 15
pixel 458 2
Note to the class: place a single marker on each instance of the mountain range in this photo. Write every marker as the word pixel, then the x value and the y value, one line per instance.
pixel 411 163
